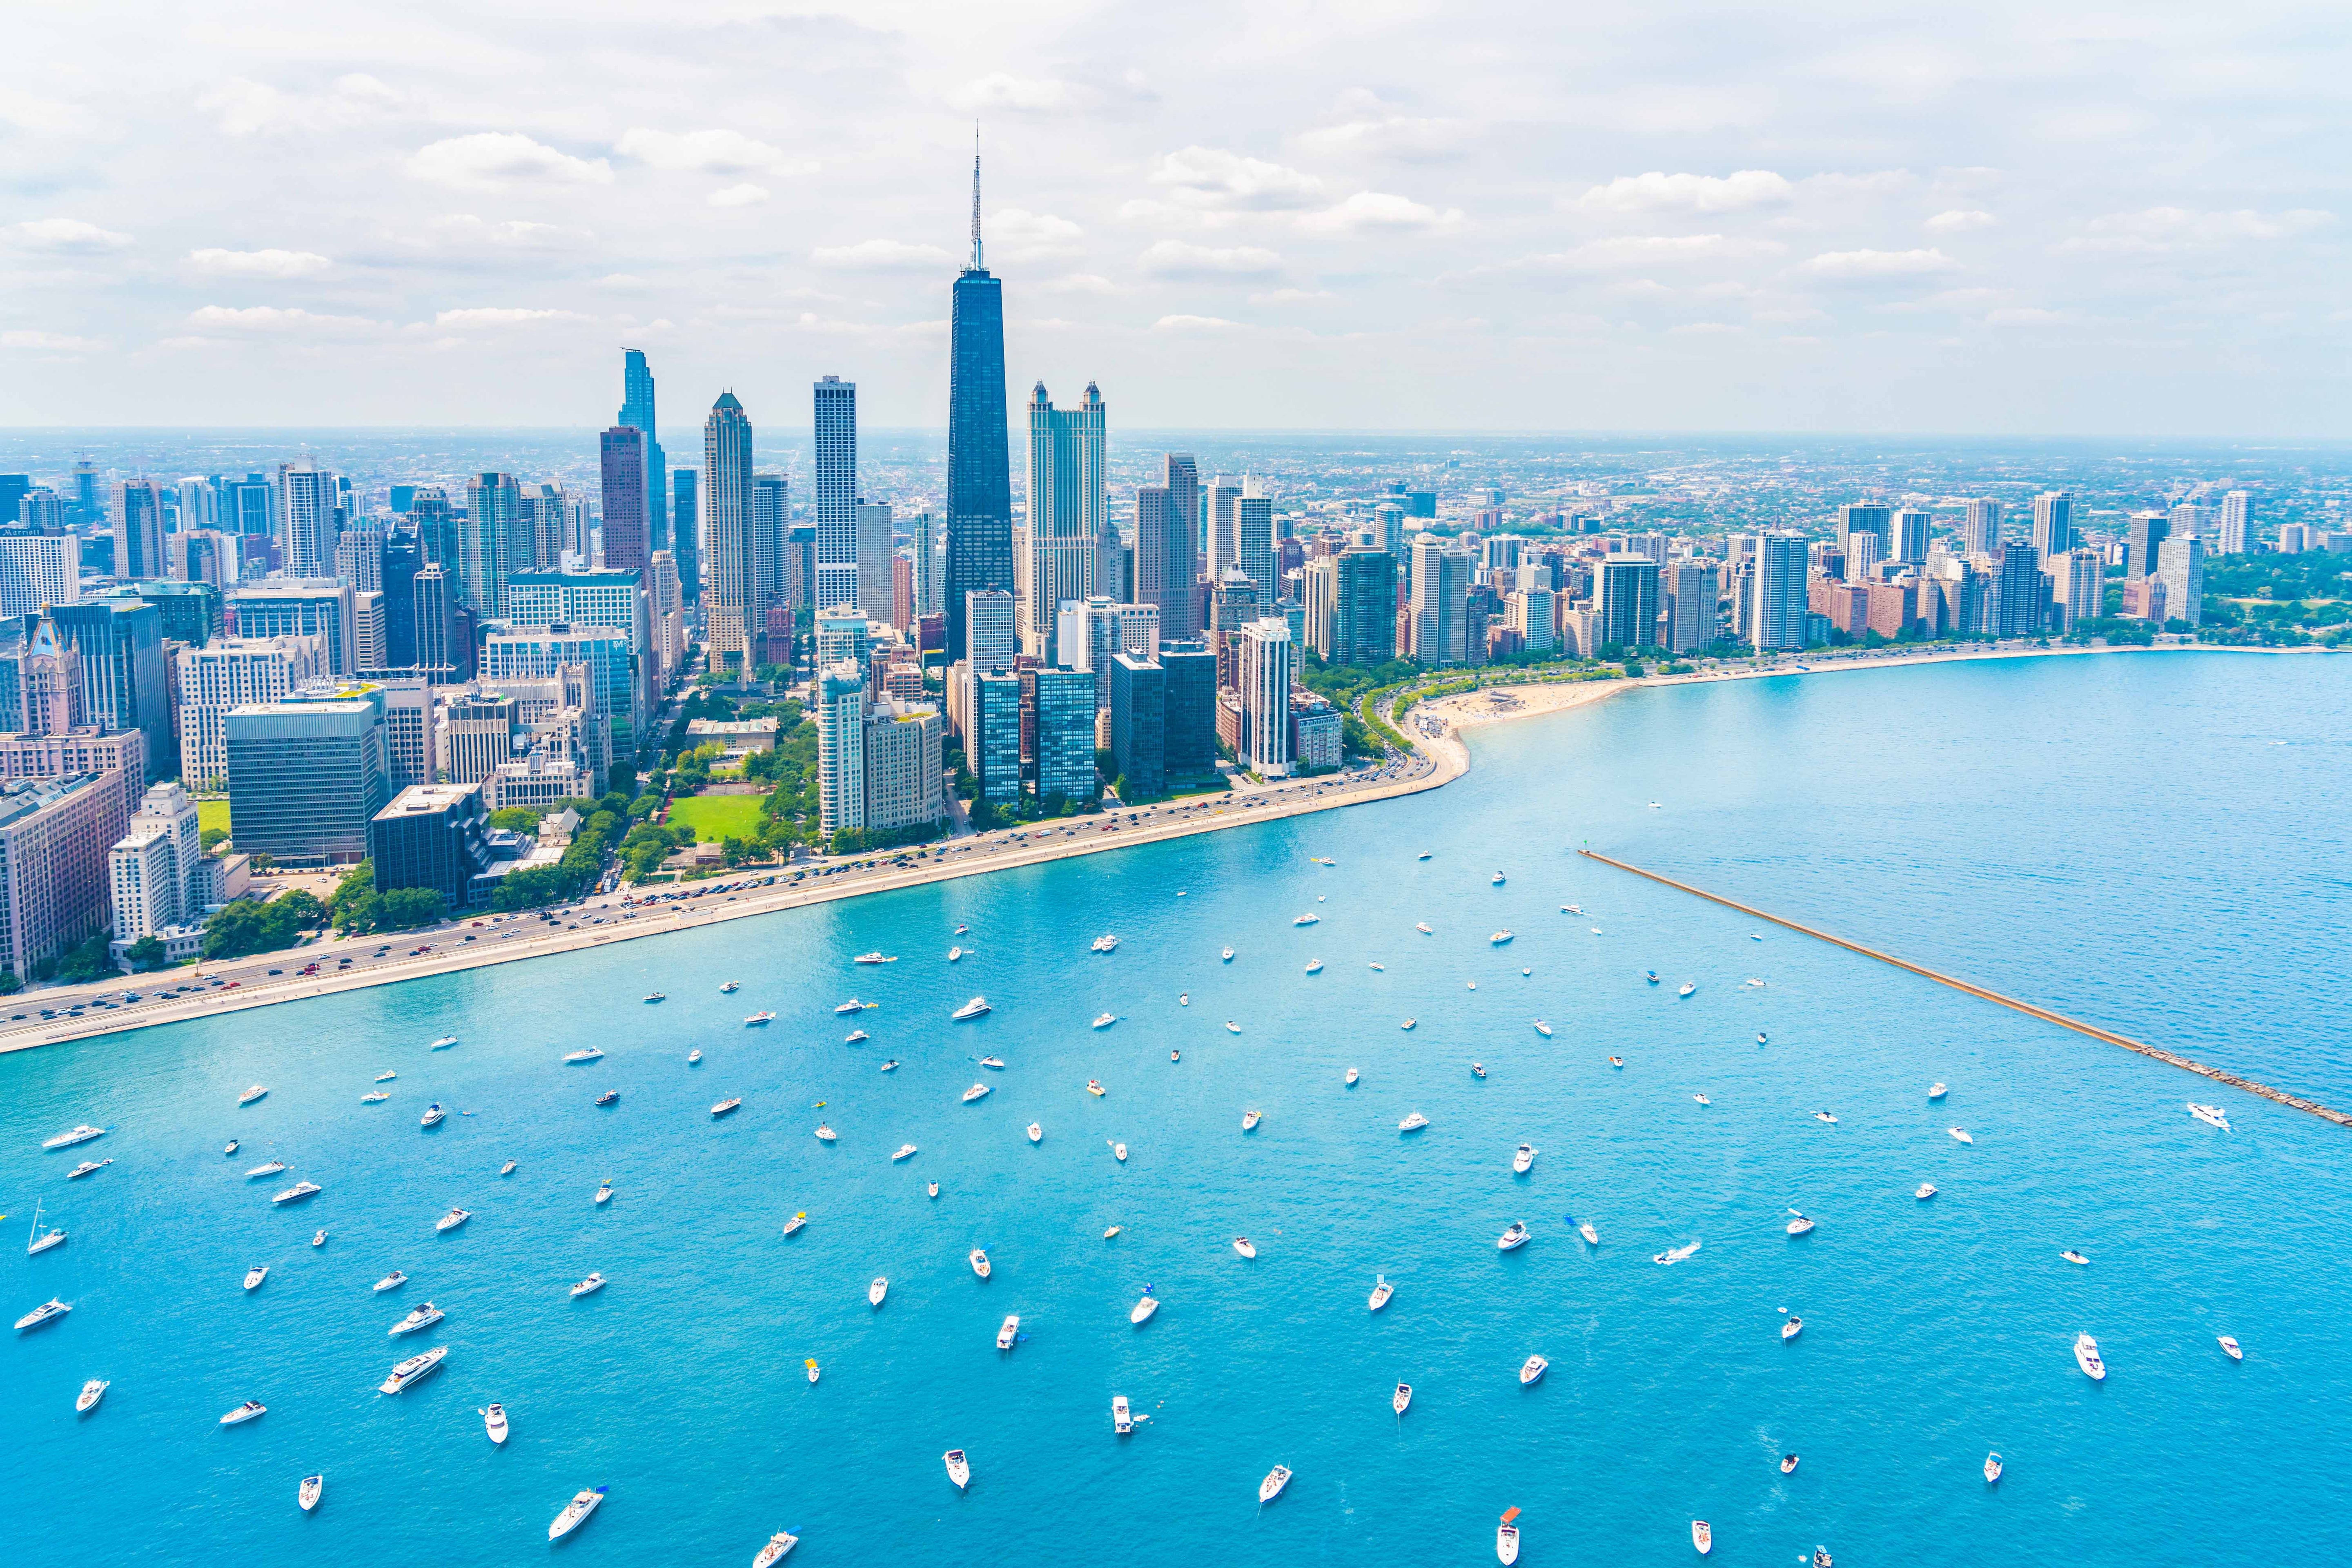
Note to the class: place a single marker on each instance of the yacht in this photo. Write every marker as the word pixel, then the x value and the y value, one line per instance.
pixel 1799 1226
pixel 416 1369
pixel 652 997
pixel 587 1054
pixel 1308 919
pixel 1937 1092
pixel 1314 966
pixel 297 1192
pixel 318 1238
pixel 1423 927
pixel 1408 1024
pixel 1183 998
pixel 955 954
pixel 271 1169
pixel 1119 1153
pixel 610 1097
pixel 1381 1291
pixel 760 1020
pixel 391 1282
pixel 91 1393
pixel 575 1513
pixel 2230 1348
pixel 1825 1117
pixel 48 1311
pixel 1791 1328
pixel 1352 1076
pixel 452 1219
pixel 694 1057
pixel 1523 1159
pixel 794 1223
pixel 255 1275
pixel 1250 1119
pixel 1992 1468
pixel 1413 1123
pixel 826 1134
pixel 1228 955
pixel 432 1115
pixel 724 1106
pixel 979 1261
pixel 1401 1398
pixel 1232 1027
pixel 933 1190
pixel 244 1412
pixel 1422 856
pixel 890 1066
pixel 603 1193
pixel 494 1422
pixel 1507 1540
pixel 903 1152
pixel 977 1091
pixel 1496 880
pixel 1512 1240
pixel 809 1362
pixel 1959 1134
pixel 2086 1356
pixel 1144 1308
pixel 1036 1134
pixel 1675 1254
pixel 374 1097
pixel 1113 1231
pixel 1591 1237
pixel 1687 989
pixel 2211 1115
pixel 588 1287
pixel 88 1167
pixel 1543 1028
pixel 1245 1246
pixel 994 1063
pixel 1478 1070
pixel 1702 1099
pixel 875 1292
pixel 854 1005
pixel 782 1542
pixel 1095 1088
pixel 1271 1488
pixel 1651 975
pixel 1377 968
pixel 1122 1420
pixel 855 1038
pixel 962 929
pixel 974 1008
pixel 1105 1020
pixel 1532 1369
pixel 1927 1190
pixel 2071 1256
pixel 1009 1331
pixel 1105 944
pixel 1499 938
pixel 82 1134
pixel 250 1095
pixel 873 958
pixel 423 1317
pixel 959 1468
pixel 1701 1536
pixel 729 988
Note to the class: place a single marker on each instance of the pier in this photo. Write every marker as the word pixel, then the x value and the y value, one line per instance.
pixel 2172 1058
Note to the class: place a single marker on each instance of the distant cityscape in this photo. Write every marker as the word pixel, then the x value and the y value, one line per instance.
pixel 457 690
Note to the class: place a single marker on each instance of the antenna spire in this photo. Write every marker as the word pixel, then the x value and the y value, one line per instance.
pixel 975 195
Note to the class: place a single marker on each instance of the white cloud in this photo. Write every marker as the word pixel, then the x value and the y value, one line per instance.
pixel 1370 211
pixel 241 107
pixel 220 263
pixel 881 256
pixel 1867 266
pixel 502 316
pixel 272 321
pixel 494 159
pixel 709 153
pixel 1193 324
pixel 1633 252
pixel 1292 297
pixel 43 116
pixel 1402 137
pixel 1031 94
pixel 1079 283
pixel 508 234
pixel 742 196
pixel 51 343
pixel 1016 233
pixel 66 236
pixel 2030 316
pixel 2161 229
pixel 1175 258
pixel 1659 191
pixel 1211 177
pixel 1960 220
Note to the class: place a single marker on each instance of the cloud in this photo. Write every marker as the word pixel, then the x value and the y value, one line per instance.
pixel 2031 316
pixel 1396 136
pixel 43 116
pixel 1028 95
pixel 1193 324
pixel 881 256
pixel 1019 235
pixel 1631 252
pixel 494 159
pixel 1658 192
pixel 1175 258
pixel 1079 283
pixel 1292 297
pixel 510 234
pixel 220 263
pixel 2158 230
pixel 1872 266
pixel 743 195
pixel 66 236
pixel 272 321
pixel 709 153
pixel 1210 177
pixel 51 343
pixel 1374 211
pixel 502 316
pixel 1960 220
pixel 241 107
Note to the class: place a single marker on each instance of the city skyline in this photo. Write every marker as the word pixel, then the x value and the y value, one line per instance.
pixel 2000 223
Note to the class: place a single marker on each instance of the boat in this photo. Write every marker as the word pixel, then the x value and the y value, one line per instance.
pixel 91 1393
pixel 1036 1134
pixel 1499 938
pixel 1701 1536
pixel 444 1043
pixel 1496 882
pixel 1543 1028
pixel 423 1317
pixel 1651 975
pixel 809 1362
pixel 1183 998
pixel 1246 1247
pixel 1507 1539
pixel 1591 1237
pixel 959 1468
pixel 974 1008
pixel 2071 1256
pixel 271 1169
pixel 297 1192
pixel 1478 1070
pixel 979 1261
pixel 1927 1190
pixel 1675 1254
pixel 1008 1332
pixel 1143 1310
pixel 873 958
pixel 903 1150
pixel 1250 1119
pixel 855 1006
pixel 1351 1079
pixel 782 1542
pixel 452 1219
pixel 1523 1159
pixel 391 1282
pixel 794 1223
pixel 1408 1024
pixel 962 929
pixel 1227 956
pixel 1512 1240
pixel 1381 1291
pixel 581 1057
pixel 603 1193
pixel 1791 1328
pixel 724 1106
pixel 730 988
pixel 656 996
pixel 255 1275
pixel 2211 1115
pixel 575 1513
pixel 1937 1092
pixel 1616 1061
pixel 1825 1117
pixel 82 1134
pixel 250 1410
pixel 890 1066
pixel 35 1242
pixel 1119 1153
pixel 1402 1398
pixel 1992 1468
pixel 955 954
pixel 494 1422
pixel 610 1097
pixel 876 1290
pixel 2086 1356
pixel 1960 1134
pixel 374 1097
pixel 760 1020
pixel 1095 1088
pixel 994 1064
pixel 1122 1420
pixel 1104 1021
pixel 88 1167
pixel 1801 1224
pixel 1788 1463
pixel 1532 1369
pixel 855 1038
pixel 250 1095
pixel 48 1311
pixel 1308 919
pixel 2230 1348
pixel 1687 989
pixel 1422 856
pixel 231 1149
pixel 414 1370
pixel 1413 1123
pixel 588 1287
pixel 318 1238
pixel 1377 968
pixel 432 1115
pixel 1702 1099
pixel 977 1091
pixel 825 1134
pixel 933 1190
pixel 1271 1488
pixel 1314 966
pixel 1105 944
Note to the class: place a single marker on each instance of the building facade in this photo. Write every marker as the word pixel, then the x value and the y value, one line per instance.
pixel 305 779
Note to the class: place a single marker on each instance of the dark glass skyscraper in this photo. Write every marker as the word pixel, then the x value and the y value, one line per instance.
pixel 980 463
pixel 638 411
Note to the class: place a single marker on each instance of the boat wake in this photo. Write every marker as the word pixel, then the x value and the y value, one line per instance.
pixel 1675 1255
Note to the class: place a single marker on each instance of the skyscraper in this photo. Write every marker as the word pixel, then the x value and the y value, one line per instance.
pixel 732 592
pixel 1066 512
pixel 1981 533
pixel 1625 593
pixel 1692 600
pixel 637 413
pixel 1857 517
pixel 2180 565
pixel 628 469
pixel 2143 537
pixel 875 593
pixel 771 580
pixel 1219 496
pixel 436 527
pixel 2238 523
pixel 486 540
pixel 1777 594
pixel 1910 538
pixel 2053 523
pixel 833 498
pixel 685 535
pixel 308 519
pixel 1167 545
pixel 1363 614
pixel 1253 540
pixel 980 463
pixel 2022 594
pixel 134 510
pixel 1441 593
pixel 1265 661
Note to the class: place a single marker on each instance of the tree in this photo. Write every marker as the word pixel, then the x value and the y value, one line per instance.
pixel 515 819
pixel 353 895
pixel 212 837
pixel 410 909
pixel 147 952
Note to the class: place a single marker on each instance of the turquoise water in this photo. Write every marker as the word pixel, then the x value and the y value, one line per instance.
pixel 2120 837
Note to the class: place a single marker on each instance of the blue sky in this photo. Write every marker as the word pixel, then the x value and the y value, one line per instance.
pixel 1373 215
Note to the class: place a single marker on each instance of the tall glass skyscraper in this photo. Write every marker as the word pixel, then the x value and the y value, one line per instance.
pixel 979 462
pixel 833 498
pixel 638 412
pixel 733 610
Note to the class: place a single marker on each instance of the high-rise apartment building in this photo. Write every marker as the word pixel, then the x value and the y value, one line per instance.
pixel 236 672
pixel 1265 665
pixel 2144 535
pixel 2053 523
pixel 992 734
pixel 135 511
pixel 54 837
pixel 1066 734
pixel 2180 563
pixel 154 878
pixel 2078 586
pixel 39 570
pixel 1910 541
pixel 1167 545
pixel 991 630
pixel 833 494
pixel 1440 594
pixel 1860 517
pixel 1217 498
pixel 1138 727
pixel 1693 593
pixel 1364 618
pixel 2238 523
pixel 877 550
pixel 494 542
pixel 841 746
pixel 1981 530
pixel 1253 540
pixel 310 516
pixel 1625 595
pixel 1777 596
pixel 1066 513
pixel 735 607
pixel 514 653
pixel 2021 593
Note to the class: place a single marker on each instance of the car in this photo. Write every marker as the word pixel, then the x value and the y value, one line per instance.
pixel 277 972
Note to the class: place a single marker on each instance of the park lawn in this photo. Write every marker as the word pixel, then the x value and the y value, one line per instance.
pixel 212 814
pixel 717 816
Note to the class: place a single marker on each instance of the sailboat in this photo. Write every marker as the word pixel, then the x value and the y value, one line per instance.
pixel 35 1242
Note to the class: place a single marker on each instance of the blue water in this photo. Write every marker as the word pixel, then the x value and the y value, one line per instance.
pixel 2122 837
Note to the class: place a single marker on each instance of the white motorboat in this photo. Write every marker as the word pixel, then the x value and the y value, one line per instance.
pixel 297 1192
pixel 588 1287
pixel 782 1542
pixel 391 1282
pixel 1825 1116
pixel 2071 1256
pixel 432 1115
pixel 1314 966
pixel 1687 989
pixel 977 1091
pixel 1523 1159
pixel 654 997
pixel 252 1409
pixel 1506 1541
pixel 890 1066
pixel 1801 1224
pixel 1143 1310
pixel 1271 1488
pixel 603 1193
pixel 1937 1092
pixel 1675 1254
pixel 318 1238
pixel 581 1057
pixel 1122 1419
pixel 1960 1134
pixel 855 1038
pixel 1402 1398
pixel 1927 1190
pixel 1425 928
pixel 1591 1237
pixel 1226 956
pixel 255 1275
pixel 82 1135
pixel 1543 1028
pixel 1245 1246
pixel 955 954
pixel 423 1317
pixel 1791 1328
pixel 760 1020
pixel 876 1290
pixel 1479 1069
pixel 959 1468
pixel 1413 1123
pixel 250 1095
pixel 1497 881
pixel 494 1422
pixel 271 1169
pixel 2086 1356
pixel 374 1097
pixel 1114 1230
pixel 575 1513
pixel 452 1219
pixel 724 1106
pixel 825 1134
pixel 1308 919
pixel 1701 1536
pixel 813 1370
pixel 976 1007
pixel 48 1311
pixel 694 1057
pixel 1408 1024
pixel 994 1064
pixel 1512 1240
pixel 1095 1088
pixel 1036 1134
pixel 1377 968
pixel 903 1150
pixel 91 1393
pixel 873 958
pixel 1381 1293
pixel 1992 1468
pixel 1105 944
pixel 2230 1348
pixel 1119 1153
pixel 1351 1078
pixel 1532 1369
pixel 1250 1119
pixel 86 1168
pixel 794 1223
pixel 1499 938
pixel 855 1006
pixel 2211 1115
pixel 414 1370
pixel 730 988
pixel 979 1261
pixel 1422 856
pixel 1009 1331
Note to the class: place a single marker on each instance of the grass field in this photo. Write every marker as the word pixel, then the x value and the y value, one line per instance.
pixel 212 814
pixel 717 816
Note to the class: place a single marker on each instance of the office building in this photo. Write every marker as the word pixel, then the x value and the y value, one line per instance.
pixel 186 612
pixel 833 495
pixel 37 570
pixel 1981 530
pixel 2053 523
pixel 55 835
pixel 40 509
pixel 1691 602
pixel 1363 621
pixel 433 836
pixel 2021 593
pixel 1266 656
pixel 476 731
pixel 2294 538
pixel 201 555
pixel 1217 500
pixel 2238 523
pixel 1909 544
pixel 2180 563
pixel 992 631
pixel 1253 540
pixel 931 562
pixel 1190 680
pixel 1777 594
pixel 1166 546
pixel 153 880
pixel 134 514
pixel 2143 537
pixel 2187 520
pixel 321 607
pixel 236 672
pixel 118 645
pixel 611 598
pixel 495 541
pixel 735 607
pixel 1107 628
pixel 436 525
pixel 305 779
pixel 1138 726
pixel 1857 517
pixel 441 650
pixel 877 552
pixel 1441 593
pixel 992 734
pixel 1066 514
pixel 513 653
pixel 626 457
pixel 979 465
pixel 685 535
pixel 358 559
pixel 2078 587
pixel 308 518
pixel 1065 748
pixel 637 413
pixel 1625 595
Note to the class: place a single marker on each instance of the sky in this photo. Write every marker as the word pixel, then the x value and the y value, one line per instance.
pixel 1379 214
